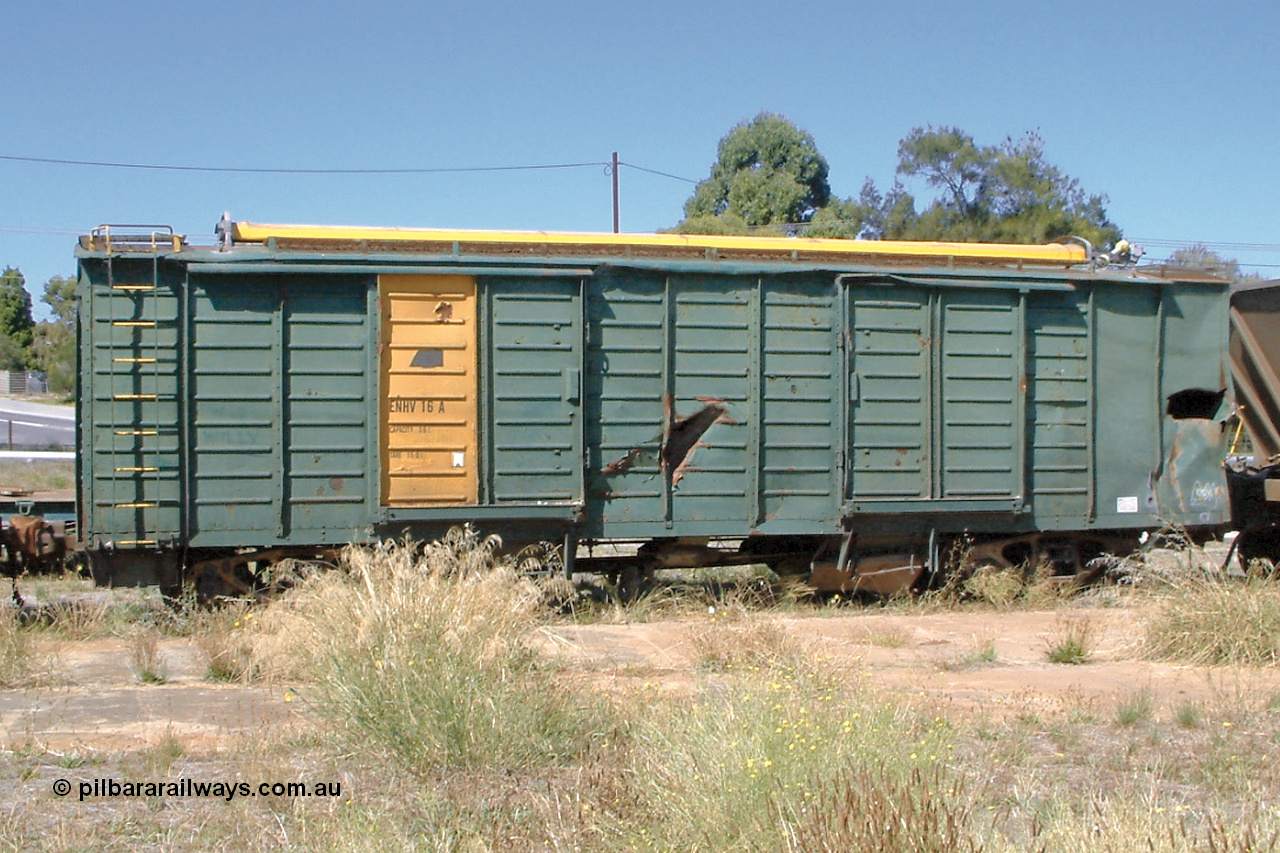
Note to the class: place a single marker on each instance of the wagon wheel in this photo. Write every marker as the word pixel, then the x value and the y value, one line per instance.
pixel 963 562
pixel 10 557
pixel 632 580
pixel 1095 569
pixel 221 578
pixel 982 559
pixel 1258 549
pixel 253 574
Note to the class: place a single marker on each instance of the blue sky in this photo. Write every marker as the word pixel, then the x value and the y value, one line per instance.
pixel 1168 108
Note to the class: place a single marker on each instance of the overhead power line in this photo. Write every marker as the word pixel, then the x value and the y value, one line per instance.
pixel 238 170
pixel 1165 242
pixel 656 172
pixel 611 167
pixel 31 229
pixel 163 167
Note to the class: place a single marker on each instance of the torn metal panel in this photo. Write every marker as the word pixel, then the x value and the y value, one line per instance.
pixel 674 448
pixel 622 464
pixel 684 436
pixel 1186 490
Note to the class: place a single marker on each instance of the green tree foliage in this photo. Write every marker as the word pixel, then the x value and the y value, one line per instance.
pixel 55 340
pixel 870 216
pixel 724 224
pixel 60 296
pixel 1004 193
pixel 1201 257
pixel 769 178
pixel 16 323
pixel 12 356
pixel 767 172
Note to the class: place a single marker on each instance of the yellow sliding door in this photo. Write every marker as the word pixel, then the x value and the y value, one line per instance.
pixel 429 387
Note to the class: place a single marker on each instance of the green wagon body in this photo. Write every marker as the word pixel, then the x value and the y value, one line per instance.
pixel 231 398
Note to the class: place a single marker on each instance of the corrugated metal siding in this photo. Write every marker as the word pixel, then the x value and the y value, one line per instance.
pixel 714 360
pixel 626 367
pixel 741 373
pixel 535 390
pixel 280 410
pixel 327 409
pixel 235 426
pixel 801 401
pixel 1194 324
pixel 430 390
pixel 672 358
pixel 934 387
pixel 1255 360
pixel 890 388
pixel 1058 429
pixel 1128 413
pixel 981 350
pixel 947 396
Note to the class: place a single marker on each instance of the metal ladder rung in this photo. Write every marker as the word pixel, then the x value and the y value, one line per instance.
pixel 127 357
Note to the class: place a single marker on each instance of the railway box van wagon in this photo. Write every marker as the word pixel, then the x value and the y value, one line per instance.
pixel 846 407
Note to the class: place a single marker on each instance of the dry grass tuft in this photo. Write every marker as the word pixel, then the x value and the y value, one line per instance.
pixel 983 653
pixel 79 618
pixel 879 811
pixel 1170 558
pixel 1135 707
pixel 144 654
pixel 739 764
pixel 733 593
pixel 889 638
pixel 998 587
pixel 421 653
pixel 227 638
pixel 22 662
pixel 750 645
pixel 1030 585
pixel 1217 621
pixel 38 474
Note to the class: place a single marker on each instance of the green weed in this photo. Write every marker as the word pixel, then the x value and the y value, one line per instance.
pixel 1135 708
pixel 1189 715
pixel 1071 642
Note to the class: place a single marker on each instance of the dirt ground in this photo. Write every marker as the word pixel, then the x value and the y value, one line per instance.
pixel 986 662
pixel 982 661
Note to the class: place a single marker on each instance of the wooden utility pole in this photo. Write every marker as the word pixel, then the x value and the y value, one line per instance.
pixel 614 171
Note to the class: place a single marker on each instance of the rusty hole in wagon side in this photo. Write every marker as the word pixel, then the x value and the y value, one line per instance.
pixel 622 464
pixel 685 434
pixel 1199 403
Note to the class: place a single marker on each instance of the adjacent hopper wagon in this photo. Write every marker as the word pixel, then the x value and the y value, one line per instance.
pixel 847 407
pixel 1254 477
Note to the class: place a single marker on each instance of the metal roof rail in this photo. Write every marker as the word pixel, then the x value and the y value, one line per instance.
pixel 135 236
